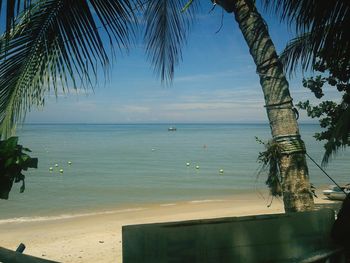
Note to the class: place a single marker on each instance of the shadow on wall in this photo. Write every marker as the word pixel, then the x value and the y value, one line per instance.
pixel 266 238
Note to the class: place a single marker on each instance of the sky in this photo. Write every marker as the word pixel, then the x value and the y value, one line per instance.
pixel 216 82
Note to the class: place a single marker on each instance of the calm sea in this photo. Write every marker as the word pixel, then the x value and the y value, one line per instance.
pixel 130 165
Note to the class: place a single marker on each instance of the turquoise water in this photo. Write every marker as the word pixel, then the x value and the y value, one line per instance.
pixel 127 165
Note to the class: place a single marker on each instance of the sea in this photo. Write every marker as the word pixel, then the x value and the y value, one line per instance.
pixel 106 167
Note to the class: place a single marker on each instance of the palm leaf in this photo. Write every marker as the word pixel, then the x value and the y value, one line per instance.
pixel 58 44
pixel 13 7
pixel 313 16
pixel 299 51
pixel 166 30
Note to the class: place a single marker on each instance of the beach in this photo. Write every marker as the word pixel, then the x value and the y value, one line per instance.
pixel 135 174
pixel 96 237
pixel 109 166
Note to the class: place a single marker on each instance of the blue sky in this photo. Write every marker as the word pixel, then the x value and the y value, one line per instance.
pixel 215 82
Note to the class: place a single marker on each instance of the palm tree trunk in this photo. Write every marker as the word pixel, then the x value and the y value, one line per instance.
pixel 297 195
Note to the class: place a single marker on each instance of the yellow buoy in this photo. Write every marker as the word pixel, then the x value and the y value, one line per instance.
pixel 187 164
pixel 61 171
pixel 221 171
pixel 69 162
pixel 197 166
pixel 50 169
pixel 56 165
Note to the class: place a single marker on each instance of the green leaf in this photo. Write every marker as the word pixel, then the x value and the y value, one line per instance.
pixel 12 162
pixel 19 177
pixel 23 187
pixel 186 6
pixel 26 150
pixel 10 144
pixel 9 162
pixel 31 163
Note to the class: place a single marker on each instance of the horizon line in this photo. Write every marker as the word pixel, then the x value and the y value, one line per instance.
pixel 153 123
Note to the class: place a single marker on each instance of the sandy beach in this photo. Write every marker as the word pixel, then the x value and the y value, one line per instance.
pixel 96 237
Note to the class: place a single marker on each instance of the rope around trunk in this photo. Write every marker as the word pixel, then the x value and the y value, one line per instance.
pixel 292 143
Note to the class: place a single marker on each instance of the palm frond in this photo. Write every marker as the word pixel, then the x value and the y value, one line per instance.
pixel 313 16
pixel 166 31
pixel 13 8
pixel 309 14
pixel 299 51
pixel 57 44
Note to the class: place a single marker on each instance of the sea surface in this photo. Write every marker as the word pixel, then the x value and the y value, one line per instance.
pixel 128 166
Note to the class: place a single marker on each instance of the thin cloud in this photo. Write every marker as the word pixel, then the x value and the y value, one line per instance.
pixel 133 109
pixel 203 77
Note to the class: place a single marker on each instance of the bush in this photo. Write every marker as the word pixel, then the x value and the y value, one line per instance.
pixel 13 160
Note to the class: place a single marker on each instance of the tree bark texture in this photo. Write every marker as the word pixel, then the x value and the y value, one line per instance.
pixel 297 195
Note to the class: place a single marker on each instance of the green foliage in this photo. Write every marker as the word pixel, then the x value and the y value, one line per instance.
pixel 320 25
pixel 333 117
pixel 186 6
pixel 13 159
pixel 269 160
pixel 56 45
pixel 165 32
pixel 51 45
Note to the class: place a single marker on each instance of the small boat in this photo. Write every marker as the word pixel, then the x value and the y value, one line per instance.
pixel 335 193
pixel 172 129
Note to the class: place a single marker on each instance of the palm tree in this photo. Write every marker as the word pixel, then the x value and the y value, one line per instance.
pixel 284 128
pixel 34 56
pixel 323 35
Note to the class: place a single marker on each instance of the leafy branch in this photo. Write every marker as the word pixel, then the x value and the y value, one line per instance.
pixel 13 159
pixel 269 160
pixel 333 116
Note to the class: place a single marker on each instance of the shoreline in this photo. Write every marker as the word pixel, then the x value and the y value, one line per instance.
pixel 96 237
pixel 120 208
pixel 259 193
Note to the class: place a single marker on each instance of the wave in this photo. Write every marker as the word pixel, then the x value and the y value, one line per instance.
pixel 71 216
pixel 170 204
pixel 206 201
pixel 66 216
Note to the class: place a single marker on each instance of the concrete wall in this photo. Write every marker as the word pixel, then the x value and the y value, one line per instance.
pixel 266 238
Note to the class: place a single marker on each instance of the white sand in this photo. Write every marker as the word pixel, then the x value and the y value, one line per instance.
pixel 97 237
